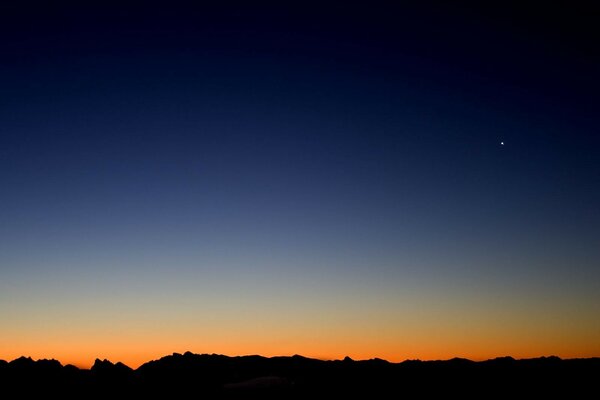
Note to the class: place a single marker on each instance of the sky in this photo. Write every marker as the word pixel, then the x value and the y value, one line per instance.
pixel 351 179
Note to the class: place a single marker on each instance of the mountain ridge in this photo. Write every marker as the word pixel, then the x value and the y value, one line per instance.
pixel 103 363
pixel 100 364
pixel 216 375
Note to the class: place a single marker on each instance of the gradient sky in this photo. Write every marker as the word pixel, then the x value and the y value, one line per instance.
pixel 326 181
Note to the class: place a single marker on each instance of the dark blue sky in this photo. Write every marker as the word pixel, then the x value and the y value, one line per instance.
pixel 340 146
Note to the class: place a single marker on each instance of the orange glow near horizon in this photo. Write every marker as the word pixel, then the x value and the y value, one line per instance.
pixel 134 351
pixel 86 360
pixel 272 320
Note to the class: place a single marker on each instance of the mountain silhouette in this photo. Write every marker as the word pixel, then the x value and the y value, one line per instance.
pixel 222 376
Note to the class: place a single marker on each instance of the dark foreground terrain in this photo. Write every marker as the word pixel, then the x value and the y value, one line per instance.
pixel 210 376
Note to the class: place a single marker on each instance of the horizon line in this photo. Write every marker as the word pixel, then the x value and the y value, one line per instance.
pixel 345 359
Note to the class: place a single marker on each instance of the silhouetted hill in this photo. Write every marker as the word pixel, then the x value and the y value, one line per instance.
pixel 218 375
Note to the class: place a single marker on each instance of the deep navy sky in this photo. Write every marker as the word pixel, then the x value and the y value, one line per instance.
pixel 348 146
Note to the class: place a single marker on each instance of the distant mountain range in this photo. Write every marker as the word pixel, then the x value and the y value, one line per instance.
pixel 217 375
